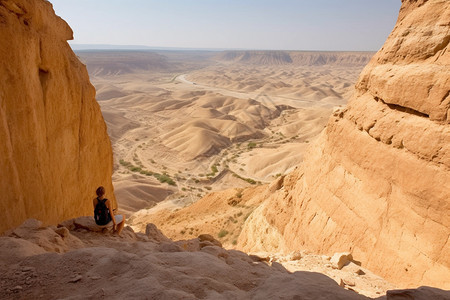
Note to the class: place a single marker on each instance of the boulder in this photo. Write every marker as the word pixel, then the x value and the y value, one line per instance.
pixel 209 238
pixel 62 231
pixel 339 260
pixel 153 233
pixel 88 223
pixel 421 293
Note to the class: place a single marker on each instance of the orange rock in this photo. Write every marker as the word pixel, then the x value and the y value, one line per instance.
pixel 376 182
pixel 54 149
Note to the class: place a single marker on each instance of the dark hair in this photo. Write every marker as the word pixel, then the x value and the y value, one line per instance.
pixel 100 191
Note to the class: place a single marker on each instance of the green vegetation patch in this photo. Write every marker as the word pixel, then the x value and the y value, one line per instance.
pixel 249 180
pixel 251 145
pixel 222 233
pixel 163 178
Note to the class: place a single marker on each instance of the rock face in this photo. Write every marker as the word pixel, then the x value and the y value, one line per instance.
pixel 377 181
pixel 54 149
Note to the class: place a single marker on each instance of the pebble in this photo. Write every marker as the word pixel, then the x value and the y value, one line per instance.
pixel 75 279
pixel 349 282
pixel 360 272
pixel 17 288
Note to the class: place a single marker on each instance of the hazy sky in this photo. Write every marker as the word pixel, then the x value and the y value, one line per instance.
pixel 247 24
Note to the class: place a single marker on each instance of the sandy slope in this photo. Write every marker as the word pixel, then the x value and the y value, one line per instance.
pixel 207 125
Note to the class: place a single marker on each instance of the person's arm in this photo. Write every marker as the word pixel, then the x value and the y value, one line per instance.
pixel 94 202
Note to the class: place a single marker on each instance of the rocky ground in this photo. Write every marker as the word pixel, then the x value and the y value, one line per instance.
pixel 77 260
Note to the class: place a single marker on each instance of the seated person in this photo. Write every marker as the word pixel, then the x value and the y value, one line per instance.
pixel 104 214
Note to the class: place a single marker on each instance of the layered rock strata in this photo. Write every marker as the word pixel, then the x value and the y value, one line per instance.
pixel 54 149
pixel 377 181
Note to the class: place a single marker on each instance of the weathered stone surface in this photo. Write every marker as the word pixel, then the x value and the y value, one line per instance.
pixel 339 260
pixel 126 268
pixel 154 233
pixel 54 149
pixel 209 238
pixel 88 223
pixel 62 232
pixel 376 182
pixel 421 293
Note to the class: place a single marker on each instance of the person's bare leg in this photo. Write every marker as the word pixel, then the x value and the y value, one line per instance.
pixel 120 226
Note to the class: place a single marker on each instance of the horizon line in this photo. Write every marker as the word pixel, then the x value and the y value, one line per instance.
pixel 114 47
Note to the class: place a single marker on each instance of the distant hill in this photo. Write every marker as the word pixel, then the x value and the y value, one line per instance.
pixel 122 62
pixel 305 58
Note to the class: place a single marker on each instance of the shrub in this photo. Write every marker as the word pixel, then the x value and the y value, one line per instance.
pixel 135 169
pixel 124 163
pixel 164 178
pixel 222 233
pixel 251 145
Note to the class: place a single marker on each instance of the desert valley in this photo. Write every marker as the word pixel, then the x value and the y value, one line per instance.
pixel 242 174
pixel 204 122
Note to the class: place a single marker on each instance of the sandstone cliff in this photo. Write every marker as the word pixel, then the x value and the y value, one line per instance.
pixel 54 149
pixel 377 181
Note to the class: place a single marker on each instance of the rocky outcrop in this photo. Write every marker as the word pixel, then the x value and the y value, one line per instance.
pixel 143 266
pixel 54 149
pixel 59 263
pixel 376 182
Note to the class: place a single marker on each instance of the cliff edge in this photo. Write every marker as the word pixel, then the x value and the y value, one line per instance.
pixel 54 149
pixel 376 182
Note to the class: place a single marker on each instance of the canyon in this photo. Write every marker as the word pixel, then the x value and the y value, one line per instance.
pixel 242 173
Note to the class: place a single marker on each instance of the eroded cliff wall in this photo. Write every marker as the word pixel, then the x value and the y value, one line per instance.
pixel 377 181
pixel 54 149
